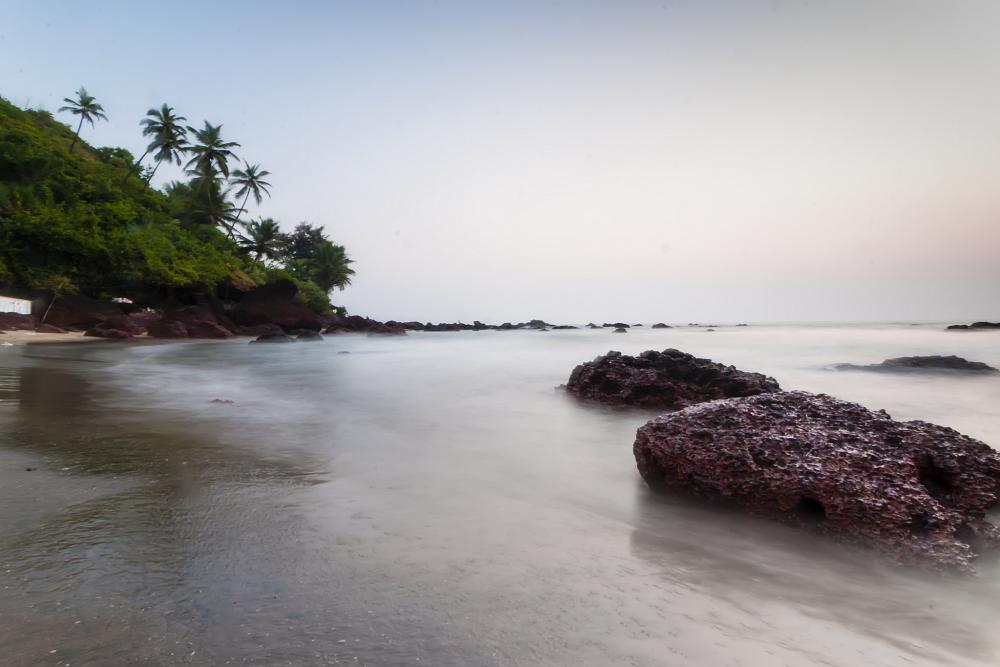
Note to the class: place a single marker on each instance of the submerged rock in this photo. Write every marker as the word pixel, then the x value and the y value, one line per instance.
pixel 929 363
pixel 914 491
pixel 620 330
pixel 670 379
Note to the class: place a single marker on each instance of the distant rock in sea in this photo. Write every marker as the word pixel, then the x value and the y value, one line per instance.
pixel 620 330
pixel 670 379
pixel 927 363
pixel 661 325
pixel 980 326
pixel 916 492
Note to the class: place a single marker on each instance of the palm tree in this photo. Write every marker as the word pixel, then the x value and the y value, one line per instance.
pixel 263 238
pixel 84 106
pixel 209 203
pixel 331 267
pixel 211 153
pixel 169 137
pixel 249 181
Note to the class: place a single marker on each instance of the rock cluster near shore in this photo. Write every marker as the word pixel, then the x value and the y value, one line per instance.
pixel 915 491
pixel 670 379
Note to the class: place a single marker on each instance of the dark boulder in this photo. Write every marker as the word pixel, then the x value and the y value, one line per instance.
pixel 309 336
pixel 929 363
pixel 275 303
pixel 914 491
pixel 565 326
pixel 280 337
pixel 670 379
pixel 74 311
pixel 637 325
pixel 591 325
pixel 620 330
pixel 616 325
pixel 661 325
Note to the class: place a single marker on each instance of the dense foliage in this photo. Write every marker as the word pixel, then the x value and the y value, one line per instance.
pixel 75 218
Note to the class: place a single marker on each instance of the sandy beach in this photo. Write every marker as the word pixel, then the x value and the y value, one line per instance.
pixel 23 337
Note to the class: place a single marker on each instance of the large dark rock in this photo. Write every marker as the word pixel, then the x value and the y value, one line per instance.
pixel 974 326
pixel 670 379
pixel 275 303
pixel 615 325
pixel 661 325
pixel 620 330
pixel 914 491
pixel 167 329
pixel 75 311
pixel 309 336
pixel 930 363
pixel 279 337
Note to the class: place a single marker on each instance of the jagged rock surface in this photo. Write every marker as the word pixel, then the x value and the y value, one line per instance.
pixel 914 491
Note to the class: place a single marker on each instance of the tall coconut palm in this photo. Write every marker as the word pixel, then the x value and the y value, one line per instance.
pixel 84 106
pixel 210 153
pixel 169 137
pixel 209 203
pixel 263 239
pixel 249 181
pixel 331 267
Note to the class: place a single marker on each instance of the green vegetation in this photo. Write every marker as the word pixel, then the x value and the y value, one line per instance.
pixel 78 219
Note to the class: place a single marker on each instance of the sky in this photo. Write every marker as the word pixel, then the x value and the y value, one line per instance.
pixel 581 161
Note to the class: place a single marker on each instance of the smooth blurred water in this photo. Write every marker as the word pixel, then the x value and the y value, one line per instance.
pixel 434 499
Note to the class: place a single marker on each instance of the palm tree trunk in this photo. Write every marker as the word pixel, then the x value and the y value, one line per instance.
pixel 77 135
pixel 46 314
pixel 136 165
pixel 153 172
pixel 232 227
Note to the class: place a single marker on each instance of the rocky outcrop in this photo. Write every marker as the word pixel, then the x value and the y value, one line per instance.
pixel 615 325
pixel 974 326
pixel 620 330
pixel 196 321
pixel 670 379
pixel 275 303
pixel 661 325
pixel 914 491
pixel 74 311
pixel 930 363
pixel 357 324
pixel 119 327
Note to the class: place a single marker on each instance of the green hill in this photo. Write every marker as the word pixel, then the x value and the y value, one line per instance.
pixel 75 222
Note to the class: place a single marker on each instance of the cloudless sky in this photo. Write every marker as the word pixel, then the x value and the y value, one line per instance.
pixel 577 161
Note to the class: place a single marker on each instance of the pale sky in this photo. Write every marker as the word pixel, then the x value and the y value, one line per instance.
pixel 578 161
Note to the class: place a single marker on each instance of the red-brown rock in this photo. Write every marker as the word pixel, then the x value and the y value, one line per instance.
pixel 916 492
pixel 670 379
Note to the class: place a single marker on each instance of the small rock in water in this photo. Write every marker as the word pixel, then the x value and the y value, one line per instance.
pixel 30 469
pixel 620 330
pixel 670 379
pixel 222 401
